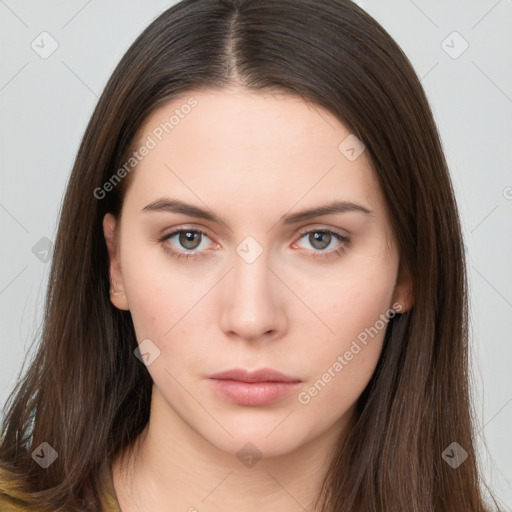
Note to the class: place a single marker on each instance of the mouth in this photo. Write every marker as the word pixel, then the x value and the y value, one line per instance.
pixel 260 387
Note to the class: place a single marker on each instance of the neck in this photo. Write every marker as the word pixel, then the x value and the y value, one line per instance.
pixel 171 467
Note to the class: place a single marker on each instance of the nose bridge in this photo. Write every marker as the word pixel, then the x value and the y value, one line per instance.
pixel 251 304
pixel 250 277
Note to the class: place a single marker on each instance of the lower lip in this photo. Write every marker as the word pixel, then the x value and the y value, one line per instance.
pixel 253 393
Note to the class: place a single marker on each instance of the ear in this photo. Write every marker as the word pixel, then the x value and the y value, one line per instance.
pixel 403 297
pixel 117 293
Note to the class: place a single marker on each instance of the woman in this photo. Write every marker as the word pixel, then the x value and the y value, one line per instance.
pixel 258 293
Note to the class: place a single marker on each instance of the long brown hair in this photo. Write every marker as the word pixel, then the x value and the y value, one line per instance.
pixel 88 397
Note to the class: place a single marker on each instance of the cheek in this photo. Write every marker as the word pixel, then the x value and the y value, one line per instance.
pixel 157 304
pixel 356 306
pixel 152 297
pixel 167 305
pixel 359 305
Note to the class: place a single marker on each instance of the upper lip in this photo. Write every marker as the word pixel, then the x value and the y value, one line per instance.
pixel 261 375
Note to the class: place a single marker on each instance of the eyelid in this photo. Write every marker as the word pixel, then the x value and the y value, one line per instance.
pixel 324 228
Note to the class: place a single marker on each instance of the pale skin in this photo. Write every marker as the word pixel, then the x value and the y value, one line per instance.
pixel 250 159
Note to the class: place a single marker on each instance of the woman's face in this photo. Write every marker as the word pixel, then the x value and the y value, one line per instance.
pixel 222 268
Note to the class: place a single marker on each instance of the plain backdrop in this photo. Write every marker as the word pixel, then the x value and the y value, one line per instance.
pixel 462 51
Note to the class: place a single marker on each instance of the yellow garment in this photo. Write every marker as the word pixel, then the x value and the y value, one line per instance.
pixel 8 504
pixel 112 504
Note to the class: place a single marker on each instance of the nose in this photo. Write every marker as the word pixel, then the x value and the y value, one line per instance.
pixel 252 301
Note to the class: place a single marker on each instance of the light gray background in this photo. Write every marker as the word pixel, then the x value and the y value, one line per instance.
pixel 46 103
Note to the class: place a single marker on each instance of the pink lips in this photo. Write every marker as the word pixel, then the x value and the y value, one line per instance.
pixel 260 387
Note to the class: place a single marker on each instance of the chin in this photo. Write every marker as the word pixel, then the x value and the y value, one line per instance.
pixel 255 446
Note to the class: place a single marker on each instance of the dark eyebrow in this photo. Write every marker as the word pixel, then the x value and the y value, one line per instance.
pixel 177 206
pixel 334 207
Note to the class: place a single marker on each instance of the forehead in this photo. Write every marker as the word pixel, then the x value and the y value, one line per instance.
pixel 223 119
pixel 270 147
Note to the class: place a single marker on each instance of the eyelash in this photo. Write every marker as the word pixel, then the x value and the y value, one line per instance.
pixel 316 254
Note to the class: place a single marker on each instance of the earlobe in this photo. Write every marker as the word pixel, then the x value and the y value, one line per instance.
pixel 403 298
pixel 117 293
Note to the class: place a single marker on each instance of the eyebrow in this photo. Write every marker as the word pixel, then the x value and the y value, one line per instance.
pixel 177 206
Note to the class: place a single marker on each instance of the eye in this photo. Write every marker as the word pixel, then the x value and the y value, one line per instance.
pixel 180 241
pixel 186 243
pixel 322 239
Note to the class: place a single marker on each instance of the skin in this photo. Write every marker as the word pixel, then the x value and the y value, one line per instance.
pixel 287 310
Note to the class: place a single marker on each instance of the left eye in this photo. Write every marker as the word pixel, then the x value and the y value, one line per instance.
pixel 321 239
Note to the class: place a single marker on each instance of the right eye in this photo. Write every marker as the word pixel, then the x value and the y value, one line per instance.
pixel 183 243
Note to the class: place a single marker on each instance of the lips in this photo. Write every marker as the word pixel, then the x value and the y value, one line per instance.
pixel 262 375
pixel 260 387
